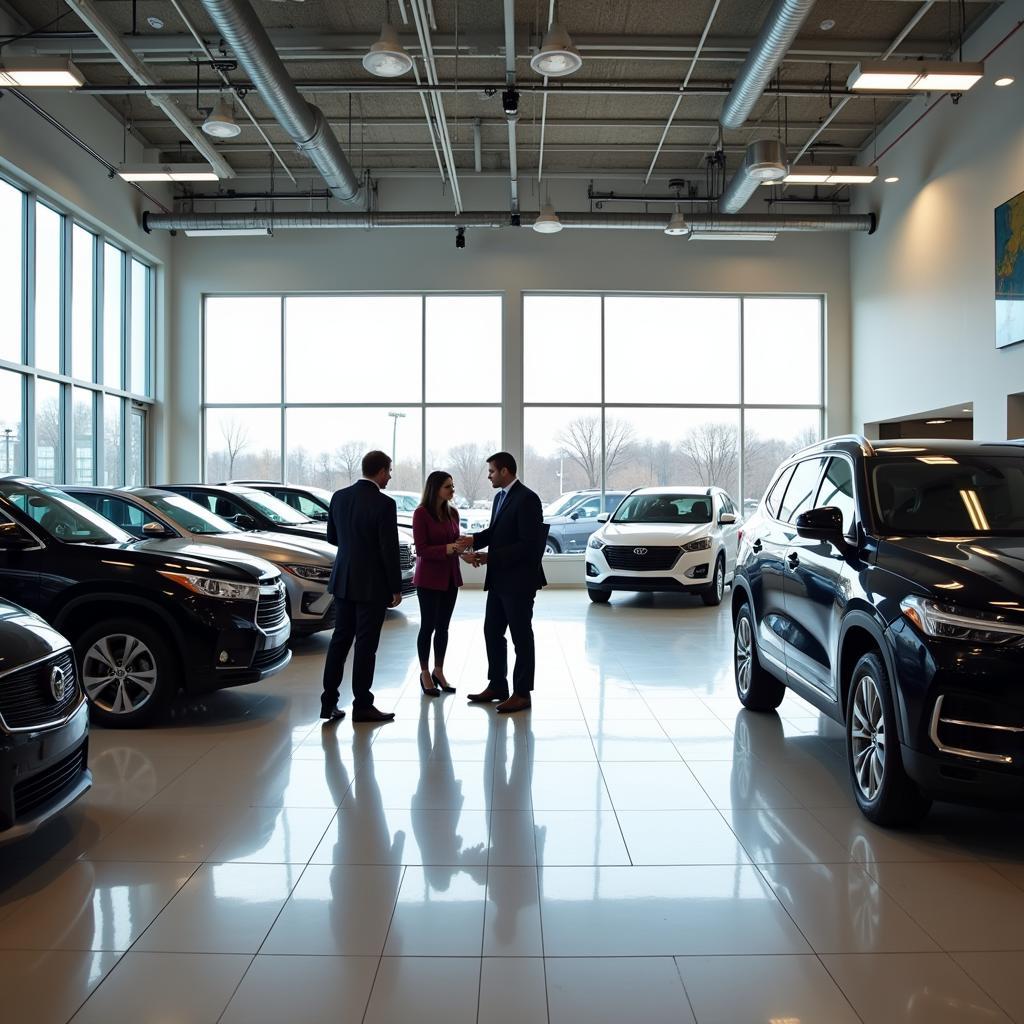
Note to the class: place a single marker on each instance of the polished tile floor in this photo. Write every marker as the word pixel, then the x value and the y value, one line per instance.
pixel 636 847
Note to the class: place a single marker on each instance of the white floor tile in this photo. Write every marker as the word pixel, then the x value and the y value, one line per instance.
pixel 414 988
pixel 512 991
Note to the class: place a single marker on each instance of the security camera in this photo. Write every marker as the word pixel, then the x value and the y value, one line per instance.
pixel 460 238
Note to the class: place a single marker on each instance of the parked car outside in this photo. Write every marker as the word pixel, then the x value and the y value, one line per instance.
pixel 149 513
pixel 44 724
pixel 475 519
pixel 571 529
pixel 407 502
pixel 252 509
pixel 143 622
pixel 312 502
pixel 670 539
pixel 882 581
pixel 564 501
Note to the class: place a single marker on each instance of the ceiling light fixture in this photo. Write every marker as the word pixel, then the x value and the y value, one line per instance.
pixel 830 174
pixel 933 423
pixel 220 123
pixel 387 57
pixel 168 172
pixel 892 179
pixel 677 226
pixel 547 222
pixel 1005 81
pixel 765 161
pixel 732 236
pixel 827 25
pixel 557 56
pixel 915 76
pixel 40 73
pixel 154 22
pixel 226 232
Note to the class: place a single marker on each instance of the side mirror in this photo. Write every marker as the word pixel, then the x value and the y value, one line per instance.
pixel 574 516
pixel 822 524
pixel 727 518
pixel 154 529
pixel 14 538
pixel 244 522
pixel 603 517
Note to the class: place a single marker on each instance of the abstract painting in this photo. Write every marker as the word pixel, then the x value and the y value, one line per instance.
pixel 1010 271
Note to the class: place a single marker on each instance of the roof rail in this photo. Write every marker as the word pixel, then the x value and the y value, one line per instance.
pixel 860 439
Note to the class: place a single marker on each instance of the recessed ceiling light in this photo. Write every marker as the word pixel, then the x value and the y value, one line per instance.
pixel 966 410
pixel 936 422
pixel 892 179
pixel 1005 81
pixel 828 24
pixel 154 22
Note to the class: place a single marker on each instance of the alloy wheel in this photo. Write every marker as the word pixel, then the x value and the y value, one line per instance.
pixel 719 580
pixel 744 655
pixel 119 673
pixel 867 737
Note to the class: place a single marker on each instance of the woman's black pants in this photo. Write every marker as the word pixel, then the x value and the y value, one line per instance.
pixel 436 607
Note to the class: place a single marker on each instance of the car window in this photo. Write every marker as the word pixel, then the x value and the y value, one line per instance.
pixel 62 516
pixel 837 490
pixel 612 500
pixel 801 490
pixel 191 515
pixel 226 508
pixel 587 509
pixel 670 509
pixel 276 511
pixel 310 508
pixel 129 517
pixel 774 498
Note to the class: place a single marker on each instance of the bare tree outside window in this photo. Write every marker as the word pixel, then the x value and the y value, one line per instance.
pixel 236 440
pixel 469 470
pixel 581 442
pixel 712 451
pixel 349 458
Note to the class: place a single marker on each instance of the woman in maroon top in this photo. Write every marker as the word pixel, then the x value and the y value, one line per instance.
pixel 435 531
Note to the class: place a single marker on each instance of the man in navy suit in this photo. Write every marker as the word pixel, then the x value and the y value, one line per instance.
pixel 366 580
pixel 515 550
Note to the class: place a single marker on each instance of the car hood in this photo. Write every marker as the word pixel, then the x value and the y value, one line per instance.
pixel 650 533
pixel 274 547
pixel 239 564
pixel 24 638
pixel 970 571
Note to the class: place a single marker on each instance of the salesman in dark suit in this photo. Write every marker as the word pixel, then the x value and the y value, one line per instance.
pixel 515 550
pixel 366 581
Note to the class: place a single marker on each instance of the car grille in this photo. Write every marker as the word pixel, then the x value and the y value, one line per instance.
pixel 270 611
pixel 268 657
pixel 656 559
pixel 404 556
pixel 26 696
pixel 31 793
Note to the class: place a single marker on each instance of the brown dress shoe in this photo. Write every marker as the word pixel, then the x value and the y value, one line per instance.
pixel 514 703
pixel 371 714
pixel 486 696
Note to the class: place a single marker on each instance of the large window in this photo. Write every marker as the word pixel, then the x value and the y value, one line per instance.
pixel 65 352
pixel 626 391
pixel 341 374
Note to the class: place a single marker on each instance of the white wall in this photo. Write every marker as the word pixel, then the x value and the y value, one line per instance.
pixel 922 285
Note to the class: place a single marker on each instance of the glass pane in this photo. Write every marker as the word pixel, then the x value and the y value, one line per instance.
pixel 113 409
pixel 672 447
pixel 802 487
pixel 672 349
pixel 562 348
pixel 243 444
pixel 459 441
pixel 49 431
pixel 461 327
pixel 83 412
pixel 243 332
pixel 12 204
pixel 364 348
pixel 837 490
pixel 326 446
pixel 782 351
pixel 135 475
pixel 12 422
pixel 561 450
pixel 140 328
pixel 113 316
pixel 770 437
pixel 48 290
pixel 83 253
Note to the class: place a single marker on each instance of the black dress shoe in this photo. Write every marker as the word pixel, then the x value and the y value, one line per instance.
pixel 332 714
pixel 486 696
pixel 371 714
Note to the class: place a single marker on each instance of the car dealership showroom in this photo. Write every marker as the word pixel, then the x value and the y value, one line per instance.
pixel 659 362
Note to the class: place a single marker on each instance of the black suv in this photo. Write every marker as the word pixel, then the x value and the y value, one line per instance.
pixel 44 724
pixel 143 621
pixel 883 581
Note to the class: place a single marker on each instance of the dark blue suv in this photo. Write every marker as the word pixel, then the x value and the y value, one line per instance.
pixel 883 581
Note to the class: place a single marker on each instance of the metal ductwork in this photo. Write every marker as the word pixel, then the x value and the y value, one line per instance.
pixel 773 42
pixel 711 222
pixel 244 34
pixel 764 160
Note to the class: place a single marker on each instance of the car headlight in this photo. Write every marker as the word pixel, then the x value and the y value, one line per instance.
pixel 595 542
pixel 949 622
pixel 704 544
pixel 210 587
pixel 320 573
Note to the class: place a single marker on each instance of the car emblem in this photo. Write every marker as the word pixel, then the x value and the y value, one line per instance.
pixel 58 683
pixel 639 551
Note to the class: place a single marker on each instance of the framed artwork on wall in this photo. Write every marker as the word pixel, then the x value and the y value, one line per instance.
pixel 1009 271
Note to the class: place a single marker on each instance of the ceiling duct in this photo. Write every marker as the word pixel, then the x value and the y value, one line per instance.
pixel 773 42
pixel 765 160
pixel 244 34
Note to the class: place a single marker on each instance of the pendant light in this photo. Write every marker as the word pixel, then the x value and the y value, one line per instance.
pixel 387 57
pixel 547 222
pixel 220 122
pixel 677 225
pixel 557 56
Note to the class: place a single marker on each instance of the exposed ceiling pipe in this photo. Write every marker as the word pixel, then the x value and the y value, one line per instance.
pixel 746 181
pixel 773 41
pixel 544 106
pixel 430 125
pixel 707 222
pixel 478 152
pixel 243 32
pixel 510 83
pixel 111 38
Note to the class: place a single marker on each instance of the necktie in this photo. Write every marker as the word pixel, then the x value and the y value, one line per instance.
pixel 501 501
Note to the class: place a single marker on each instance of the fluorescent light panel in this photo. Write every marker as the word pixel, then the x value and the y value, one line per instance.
pixel 168 172
pixel 225 232
pixel 40 73
pixel 733 236
pixel 916 76
pixel 829 174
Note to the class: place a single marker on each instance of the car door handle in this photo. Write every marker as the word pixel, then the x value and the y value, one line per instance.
pixel 794 559
pixel 756 546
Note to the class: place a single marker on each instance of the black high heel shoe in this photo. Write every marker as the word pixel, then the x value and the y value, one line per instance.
pixel 429 691
pixel 442 687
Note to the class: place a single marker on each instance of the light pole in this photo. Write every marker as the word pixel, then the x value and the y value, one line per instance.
pixel 7 446
pixel 396 416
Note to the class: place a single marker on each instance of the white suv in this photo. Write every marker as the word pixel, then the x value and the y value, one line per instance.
pixel 681 539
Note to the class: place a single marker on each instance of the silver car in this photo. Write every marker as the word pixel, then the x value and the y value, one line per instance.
pixel 305 563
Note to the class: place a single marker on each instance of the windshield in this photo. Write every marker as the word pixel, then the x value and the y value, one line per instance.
pixel 191 516
pixel 405 502
pixel 62 516
pixel 276 511
pixel 667 509
pixel 949 495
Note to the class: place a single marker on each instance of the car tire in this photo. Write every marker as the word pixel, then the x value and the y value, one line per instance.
pixel 884 792
pixel 551 547
pixel 712 594
pixel 149 680
pixel 756 687
pixel 599 596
